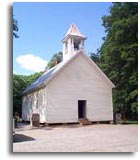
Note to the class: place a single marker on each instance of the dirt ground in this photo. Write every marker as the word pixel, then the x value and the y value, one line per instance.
pixel 76 138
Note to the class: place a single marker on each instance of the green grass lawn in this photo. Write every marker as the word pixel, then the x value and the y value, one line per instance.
pixel 128 122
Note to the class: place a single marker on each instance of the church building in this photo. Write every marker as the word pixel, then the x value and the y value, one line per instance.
pixel 74 89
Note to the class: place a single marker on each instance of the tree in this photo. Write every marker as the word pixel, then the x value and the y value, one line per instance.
pixel 57 58
pixel 31 78
pixel 15 28
pixel 119 55
pixel 20 83
pixel 95 56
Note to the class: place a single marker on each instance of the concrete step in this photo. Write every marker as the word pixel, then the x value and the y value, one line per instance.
pixel 84 121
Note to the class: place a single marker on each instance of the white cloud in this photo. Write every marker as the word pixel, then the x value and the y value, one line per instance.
pixel 31 62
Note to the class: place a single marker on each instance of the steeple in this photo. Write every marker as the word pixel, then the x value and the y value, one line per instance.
pixel 72 42
pixel 73 30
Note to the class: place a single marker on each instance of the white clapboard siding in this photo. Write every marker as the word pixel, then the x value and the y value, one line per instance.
pixel 26 103
pixel 78 81
pixel 35 102
pixel 57 102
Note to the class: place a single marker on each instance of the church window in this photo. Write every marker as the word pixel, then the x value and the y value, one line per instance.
pixel 36 104
pixel 66 47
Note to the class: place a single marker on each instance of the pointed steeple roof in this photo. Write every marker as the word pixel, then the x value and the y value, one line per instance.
pixel 73 30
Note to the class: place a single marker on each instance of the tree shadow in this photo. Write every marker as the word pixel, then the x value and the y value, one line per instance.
pixel 21 138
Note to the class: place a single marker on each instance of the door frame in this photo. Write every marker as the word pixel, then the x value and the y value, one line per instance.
pixel 82 109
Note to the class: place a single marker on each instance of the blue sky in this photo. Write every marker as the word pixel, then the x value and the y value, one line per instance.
pixel 43 25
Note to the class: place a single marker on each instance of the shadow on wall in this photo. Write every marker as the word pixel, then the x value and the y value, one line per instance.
pixel 21 138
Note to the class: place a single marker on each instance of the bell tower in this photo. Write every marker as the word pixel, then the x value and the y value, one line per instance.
pixel 72 42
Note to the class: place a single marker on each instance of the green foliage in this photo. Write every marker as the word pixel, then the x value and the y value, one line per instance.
pixel 119 55
pixel 31 78
pixel 20 83
pixel 94 57
pixel 15 28
pixel 118 59
pixel 57 58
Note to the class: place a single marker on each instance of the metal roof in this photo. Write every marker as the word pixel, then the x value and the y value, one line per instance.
pixel 43 79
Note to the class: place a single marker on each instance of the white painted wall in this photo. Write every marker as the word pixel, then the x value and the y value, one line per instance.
pixel 35 102
pixel 78 81
pixel 58 101
pixel 69 50
pixel 25 108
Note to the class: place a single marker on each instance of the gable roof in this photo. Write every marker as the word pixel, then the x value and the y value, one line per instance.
pixel 48 75
pixel 42 79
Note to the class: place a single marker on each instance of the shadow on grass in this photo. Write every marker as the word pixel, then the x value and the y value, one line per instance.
pixel 21 138
pixel 126 122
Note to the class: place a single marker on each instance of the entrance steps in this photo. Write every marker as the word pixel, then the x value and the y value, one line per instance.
pixel 84 121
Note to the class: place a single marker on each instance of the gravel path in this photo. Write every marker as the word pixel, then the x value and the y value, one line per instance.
pixel 92 138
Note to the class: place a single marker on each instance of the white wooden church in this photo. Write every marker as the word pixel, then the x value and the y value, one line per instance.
pixel 75 88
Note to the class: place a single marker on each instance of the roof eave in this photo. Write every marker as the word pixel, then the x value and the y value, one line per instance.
pixel 32 90
pixel 109 82
pixel 59 70
pixel 71 35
